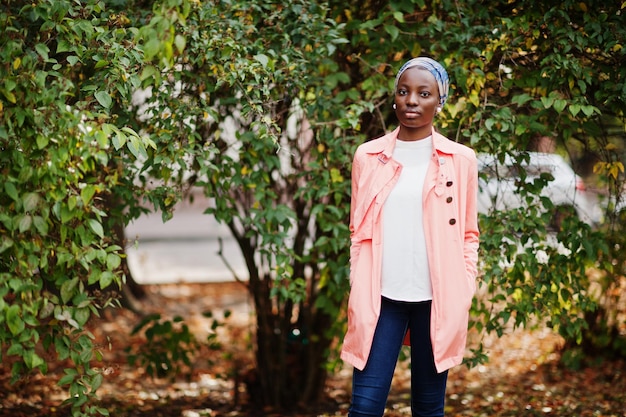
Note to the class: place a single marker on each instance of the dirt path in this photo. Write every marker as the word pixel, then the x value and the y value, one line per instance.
pixel 522 377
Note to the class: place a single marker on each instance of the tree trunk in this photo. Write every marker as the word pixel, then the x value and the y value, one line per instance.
pixel 131 291
pixel 291 344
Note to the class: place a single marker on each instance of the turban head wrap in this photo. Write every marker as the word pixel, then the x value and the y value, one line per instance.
pixel 435 68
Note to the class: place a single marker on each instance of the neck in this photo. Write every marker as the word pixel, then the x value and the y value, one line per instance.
pixel 413 134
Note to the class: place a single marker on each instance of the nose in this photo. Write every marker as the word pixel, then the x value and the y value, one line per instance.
pixel 412 99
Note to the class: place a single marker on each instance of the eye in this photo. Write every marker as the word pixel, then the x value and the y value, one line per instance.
pixel 425 94
pixel 402 92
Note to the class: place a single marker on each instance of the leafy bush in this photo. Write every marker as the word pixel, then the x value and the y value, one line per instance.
pixel 170 346
pixel 67 66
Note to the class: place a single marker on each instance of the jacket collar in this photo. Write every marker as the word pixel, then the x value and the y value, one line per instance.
pixel 386 144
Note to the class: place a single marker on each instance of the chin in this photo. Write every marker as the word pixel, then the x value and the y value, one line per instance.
pixel 411 124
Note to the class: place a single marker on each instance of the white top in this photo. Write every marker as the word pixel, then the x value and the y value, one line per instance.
pixel 405 273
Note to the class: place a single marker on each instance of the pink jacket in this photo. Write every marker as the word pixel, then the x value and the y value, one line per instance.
pixel 451 228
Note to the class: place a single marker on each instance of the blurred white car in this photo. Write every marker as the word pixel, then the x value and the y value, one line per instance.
pixel 498 187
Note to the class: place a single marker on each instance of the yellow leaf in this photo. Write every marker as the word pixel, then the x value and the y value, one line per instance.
pixel 599 167
pixel 335 175
pixel 613 172
pixel 321 148
pixel 17 62
pixel 474 99
pixel 10 96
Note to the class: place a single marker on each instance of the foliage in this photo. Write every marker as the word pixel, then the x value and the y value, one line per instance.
pixel 169 347
pixel 255 81
pixel 519 71
pixel 511 85
pixel 262 104
pixel 559 79
pixel 67 68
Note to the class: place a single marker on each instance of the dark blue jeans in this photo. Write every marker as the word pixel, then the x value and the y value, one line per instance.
pixel 370 387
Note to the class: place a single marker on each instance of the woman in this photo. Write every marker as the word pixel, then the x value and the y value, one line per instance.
pixel 414 249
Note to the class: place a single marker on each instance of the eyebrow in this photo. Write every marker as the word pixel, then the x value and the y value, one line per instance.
pixel 404 85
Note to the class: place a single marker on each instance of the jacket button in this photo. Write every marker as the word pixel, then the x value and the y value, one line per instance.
pixel 449 184
pixel 452 221
pixel 449 200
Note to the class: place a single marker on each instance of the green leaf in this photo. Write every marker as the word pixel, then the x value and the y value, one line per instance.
pixel 559 105
pixel 81 315
pixel 106 279
pixel 588 110
pixel 119 140
pixel 11 190
pixel 148 71
pixel 68 378
pixel 94 276
pixel 113 261
pixel 61 344
pixel 151 48
pixel 547 102
pixel 262 59
pixel 5 243
pixel 63 46
pixel 96 381
pixel 43 51
pixel 72 201
pixel 102 63
pixel 136 147
pixel 104 99
pixel 180 42
pixel 72 60
pixel 521 99
pixel 87 193
pixel 399 16
pixel 68 289
pixel 66 214
pixel 14 320
pixel 41 225
pixel 96 226
pixel 393 31
pixel 32 360
pixel 15 349
pixel 574 109
pixel 42 141
pixel 30 201
pixel 25 223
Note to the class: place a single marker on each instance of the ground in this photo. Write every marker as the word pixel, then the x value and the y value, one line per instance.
pixel 522 378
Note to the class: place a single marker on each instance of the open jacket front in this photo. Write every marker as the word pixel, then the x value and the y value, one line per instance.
pixel 451 229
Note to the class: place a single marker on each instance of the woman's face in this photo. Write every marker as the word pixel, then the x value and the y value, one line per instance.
pixel 417 98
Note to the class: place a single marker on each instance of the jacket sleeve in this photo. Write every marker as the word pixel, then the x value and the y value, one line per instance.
pixel 471 234
pixel 355 244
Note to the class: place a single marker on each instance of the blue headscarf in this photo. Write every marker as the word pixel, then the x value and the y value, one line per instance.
pixel 435 68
